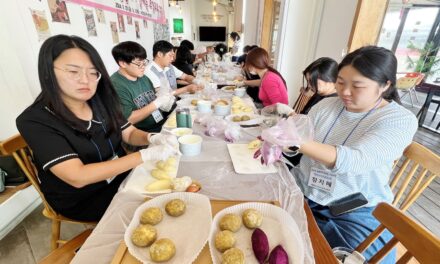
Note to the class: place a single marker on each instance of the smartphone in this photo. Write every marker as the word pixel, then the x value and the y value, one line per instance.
pixel 348 204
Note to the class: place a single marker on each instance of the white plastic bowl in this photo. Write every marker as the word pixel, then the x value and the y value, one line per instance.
pixel 204 106
pixel 190 145
pixel 181 131
pixel 240 92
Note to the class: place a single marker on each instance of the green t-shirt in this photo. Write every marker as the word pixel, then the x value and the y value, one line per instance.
pixel 133 96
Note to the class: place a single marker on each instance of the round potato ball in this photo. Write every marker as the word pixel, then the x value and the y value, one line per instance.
pixel 162 250
pixel 144 235
pixel 245 118
pixel 151 216
pixel 224 240
pixel 231 222
pixel 175 207
pixel 252 218
pixel 236 118
pixel 233 256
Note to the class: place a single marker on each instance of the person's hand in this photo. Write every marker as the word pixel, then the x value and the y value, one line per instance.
pixel 161 139
pixel 161 100
pixel 168 105
pixel 239 78
pixel 192 88
pixel 283 109
pixel 158 152
pixel 240 84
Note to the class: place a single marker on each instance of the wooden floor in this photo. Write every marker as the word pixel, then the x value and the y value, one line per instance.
pixel 426 209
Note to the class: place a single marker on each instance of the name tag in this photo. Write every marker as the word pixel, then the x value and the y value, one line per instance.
pixel 322 180
pixel 109 180
pixel 157 116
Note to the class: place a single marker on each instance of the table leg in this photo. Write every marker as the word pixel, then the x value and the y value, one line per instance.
pixel 424 110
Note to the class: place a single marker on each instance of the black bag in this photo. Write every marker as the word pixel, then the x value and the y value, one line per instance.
pixel 14 174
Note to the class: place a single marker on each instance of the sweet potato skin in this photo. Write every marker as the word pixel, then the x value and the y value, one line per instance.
pixel 260 245
pixel 278 256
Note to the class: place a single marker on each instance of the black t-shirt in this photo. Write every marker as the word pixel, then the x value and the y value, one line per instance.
pixel 184 67
pixel 53 141
pixel 253 91
pixel 314 100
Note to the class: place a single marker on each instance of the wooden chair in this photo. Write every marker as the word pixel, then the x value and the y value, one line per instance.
pixel 419 242
pixel 420 167
pixel 18 148
pixel 303 99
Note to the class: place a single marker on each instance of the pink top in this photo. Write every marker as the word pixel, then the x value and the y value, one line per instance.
pixel 272 90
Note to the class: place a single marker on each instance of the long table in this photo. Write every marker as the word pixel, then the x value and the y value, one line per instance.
pixel 213 169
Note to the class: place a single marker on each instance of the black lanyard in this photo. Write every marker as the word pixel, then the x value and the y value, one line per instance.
pixel 340 112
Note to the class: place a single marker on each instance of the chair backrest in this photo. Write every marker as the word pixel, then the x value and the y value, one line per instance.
pixel 419 242
pixel 18 148
pixel 406 83
pixel 303 99
pixel 417 75
pixel 420 166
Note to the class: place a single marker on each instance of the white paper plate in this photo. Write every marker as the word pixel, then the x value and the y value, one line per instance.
pixel 255 119
pixel 141 177
pixel 189 232
pixel 278 225
pixel 244 163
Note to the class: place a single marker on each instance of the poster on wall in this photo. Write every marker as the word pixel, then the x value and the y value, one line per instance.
pixel 121 23
pixel 161 32
pixel 90 22
pixel 41 24
pixel 115 35
pixel 137 29
pixel 178 25
pixel 58 10
pixel 129 20
pixel 100 16
pixel 145 23
pixel 152 10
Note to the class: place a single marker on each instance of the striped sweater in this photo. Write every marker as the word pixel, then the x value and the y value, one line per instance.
pixel 364 162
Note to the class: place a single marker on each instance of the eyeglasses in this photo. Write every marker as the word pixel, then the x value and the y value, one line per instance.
pixel 76 73
pixel 141 64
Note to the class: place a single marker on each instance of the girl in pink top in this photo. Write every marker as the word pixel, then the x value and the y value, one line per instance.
pixel 273 87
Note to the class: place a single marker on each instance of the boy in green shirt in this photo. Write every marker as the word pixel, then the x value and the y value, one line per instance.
pixel 139 102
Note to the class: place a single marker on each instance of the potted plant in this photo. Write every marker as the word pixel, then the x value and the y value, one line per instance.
pixel 427 63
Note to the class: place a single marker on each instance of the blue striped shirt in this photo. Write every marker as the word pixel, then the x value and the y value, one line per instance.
pixel 364 162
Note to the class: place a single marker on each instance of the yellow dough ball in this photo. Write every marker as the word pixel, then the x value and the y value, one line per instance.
pixel 252 218
pixel 245 118
pixel 231 222
pixel 160 164
pixel 175 207
pixel 169 169
pixel 194 102
pixel 236 118
pixel 233 256
pixel 224 240
pixel 171 161
pixel 144 235
pixel 159 174
pixel 151 216
pixel 162 250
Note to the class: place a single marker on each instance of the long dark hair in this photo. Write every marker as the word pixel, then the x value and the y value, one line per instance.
pixel 325 69
pixel 259 58
pixel 183 55
pixel 105 101
pixel 377 64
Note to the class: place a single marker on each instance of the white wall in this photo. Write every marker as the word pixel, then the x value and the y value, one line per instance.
pixel 252 23
pixel 334 33
pixel 174 12
pixel 19 47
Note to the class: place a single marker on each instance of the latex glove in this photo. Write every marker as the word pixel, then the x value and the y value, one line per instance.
pixel 161 139
pixel 161 100
pixel 283 109
pixel 158 152
pixel 168 105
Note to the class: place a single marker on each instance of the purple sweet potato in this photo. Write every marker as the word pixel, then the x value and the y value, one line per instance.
pixel 278 256
pixel 260 245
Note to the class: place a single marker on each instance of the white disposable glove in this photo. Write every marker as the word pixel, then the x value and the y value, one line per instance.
pixel 240 84
pixel 161 100
pixel 168 105
pixel 161 139
pixel 158 152
pixel 283 109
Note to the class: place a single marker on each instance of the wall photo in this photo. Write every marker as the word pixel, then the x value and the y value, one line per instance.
pixel 58 10
pixel 178 25
pixel 41 24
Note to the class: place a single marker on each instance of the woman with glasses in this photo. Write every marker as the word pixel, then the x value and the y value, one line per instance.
pixel 139 102
pixel 75 128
